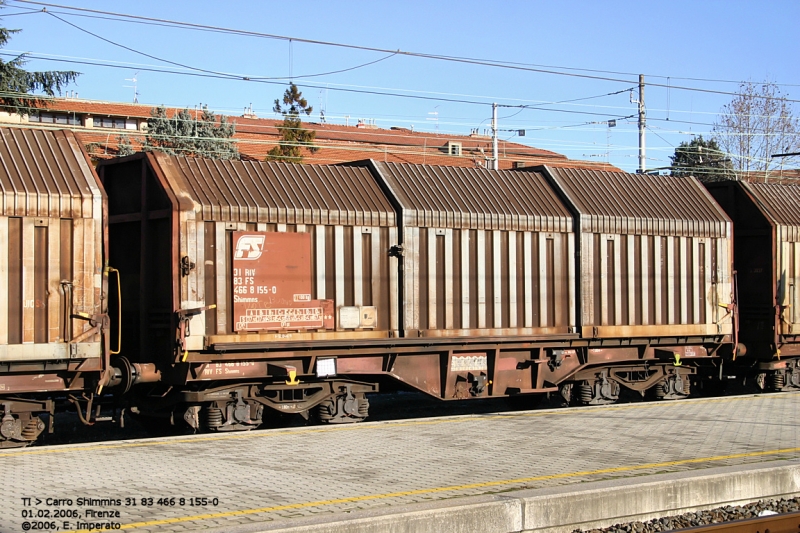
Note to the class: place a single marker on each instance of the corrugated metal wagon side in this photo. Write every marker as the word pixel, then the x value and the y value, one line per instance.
pixel 655 272
pixel 51 277
pixel 660 250
pixel 484 253
pixel 239 276
pixel 767 260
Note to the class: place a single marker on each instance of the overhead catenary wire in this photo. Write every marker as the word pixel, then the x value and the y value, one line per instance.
pixel 406 149
pixel 457 59
pixel 209 74
pixel 478 103
pixel 121 17
pixel 217 73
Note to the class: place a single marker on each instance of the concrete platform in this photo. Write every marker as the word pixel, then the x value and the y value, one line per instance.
pixel 549 470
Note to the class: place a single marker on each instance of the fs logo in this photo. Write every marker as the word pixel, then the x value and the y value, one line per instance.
pixel 249 247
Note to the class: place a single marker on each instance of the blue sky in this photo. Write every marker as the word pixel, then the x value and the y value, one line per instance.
pixel 676 44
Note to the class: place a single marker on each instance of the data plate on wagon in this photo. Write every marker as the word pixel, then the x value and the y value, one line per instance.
pixel 272 283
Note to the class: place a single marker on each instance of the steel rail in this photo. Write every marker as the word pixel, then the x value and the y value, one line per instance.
pixel 781 523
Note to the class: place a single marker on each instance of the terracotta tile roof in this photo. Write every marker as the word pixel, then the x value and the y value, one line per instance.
pixel 70 105
pixel 337 143
pixel 786 176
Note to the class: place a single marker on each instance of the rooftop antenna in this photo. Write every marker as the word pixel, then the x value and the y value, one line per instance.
pixel 322 105
pixel 135 90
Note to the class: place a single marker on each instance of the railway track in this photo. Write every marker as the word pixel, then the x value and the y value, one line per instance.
pixel 782 523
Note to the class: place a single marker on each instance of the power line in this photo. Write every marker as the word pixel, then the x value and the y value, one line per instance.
pixel 456 59
pixel 232 76
pixel 309 85
pixel 120 17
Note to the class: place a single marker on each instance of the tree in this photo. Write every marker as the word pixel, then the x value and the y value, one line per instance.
pixel 124 146
pixel 205 135
pixel 293 135
pixel 701 158
pixel 755 125
pixel 17 84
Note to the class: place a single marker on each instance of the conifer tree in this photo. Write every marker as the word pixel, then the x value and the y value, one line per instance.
pixel 293 136
pixel 182 134
pixel 702 159
pixel 124 146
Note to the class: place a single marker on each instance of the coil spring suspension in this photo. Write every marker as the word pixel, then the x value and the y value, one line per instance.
pixel 213 417
pixel 325 411
pixel 585 392
pixel 363 407
pixel 661 390
pixel 777 380
pixel 32 429
pixel 687 386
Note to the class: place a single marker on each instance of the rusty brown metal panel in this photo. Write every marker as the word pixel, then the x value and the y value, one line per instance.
pixel 44 173
pixel 221 265
pixel 40 269
pixel 56 235
pixel 464 198
pixel 15 276
pixel 5 280
pixel 383 270
pixel 28 280
pixel 334 264
pixel 348 249
pixel 617 202
pixel 488 280
pixel 67 269
pixel 53 280
pixel 210 276
pixel 779 203
pixel 653 281
pixel 279 193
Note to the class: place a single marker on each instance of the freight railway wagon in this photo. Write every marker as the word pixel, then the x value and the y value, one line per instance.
pixel 52 280
pixel 767 262
pixel 303 288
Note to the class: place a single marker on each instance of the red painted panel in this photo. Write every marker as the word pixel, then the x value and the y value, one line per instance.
pixel 272 282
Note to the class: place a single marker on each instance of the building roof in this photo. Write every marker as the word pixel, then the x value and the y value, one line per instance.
pixel 337 143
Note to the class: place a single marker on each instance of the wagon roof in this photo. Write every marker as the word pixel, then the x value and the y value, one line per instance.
pixel 640 204
pixel 249 191
pixel 780 203
pixel 474 198
pixel 45 173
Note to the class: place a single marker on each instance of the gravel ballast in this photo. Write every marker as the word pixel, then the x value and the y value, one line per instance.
pixel 703 518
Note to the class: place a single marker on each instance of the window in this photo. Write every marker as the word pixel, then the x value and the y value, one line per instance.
pixel 453 148
pixel 46 117
pixel 117 123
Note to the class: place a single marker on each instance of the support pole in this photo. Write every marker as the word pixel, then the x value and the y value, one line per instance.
pixel 642 124
pixel 495 158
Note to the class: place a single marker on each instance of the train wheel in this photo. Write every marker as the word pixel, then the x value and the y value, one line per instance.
pixel 236 415
pixel 598 391
pixel 19 431
pixel 344 408
pixel 674 387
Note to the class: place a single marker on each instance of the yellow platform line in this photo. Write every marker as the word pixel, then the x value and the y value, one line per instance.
pixel 357 427
pixel 435 490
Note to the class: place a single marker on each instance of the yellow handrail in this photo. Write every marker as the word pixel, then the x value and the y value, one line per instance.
pixel 119 312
